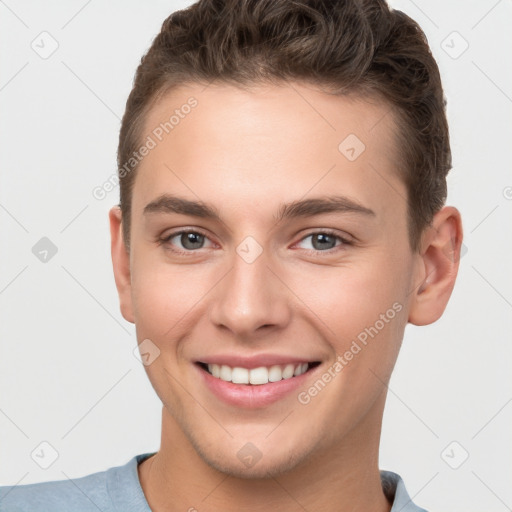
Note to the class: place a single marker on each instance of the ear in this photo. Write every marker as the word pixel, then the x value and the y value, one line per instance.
pixel 121 264
pixel 438 265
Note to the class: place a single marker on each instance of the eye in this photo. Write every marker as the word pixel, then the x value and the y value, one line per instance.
pixel 186 240
pixel 324 241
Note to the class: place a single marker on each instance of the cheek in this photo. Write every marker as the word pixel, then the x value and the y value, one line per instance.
pixel 166 303
pixel 349 298
pixel 166 297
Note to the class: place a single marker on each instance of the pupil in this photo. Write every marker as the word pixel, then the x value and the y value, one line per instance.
pixel 191 240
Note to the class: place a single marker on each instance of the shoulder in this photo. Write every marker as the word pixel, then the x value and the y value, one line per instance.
pixel 85 493
pixel 395 491
pixel 97 491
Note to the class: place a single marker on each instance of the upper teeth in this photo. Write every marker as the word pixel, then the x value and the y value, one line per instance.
pixel 261 375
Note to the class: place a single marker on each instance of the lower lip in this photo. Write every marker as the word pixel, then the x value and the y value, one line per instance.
pixel 251 396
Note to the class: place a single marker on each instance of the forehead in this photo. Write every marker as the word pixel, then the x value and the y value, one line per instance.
pixel 267 144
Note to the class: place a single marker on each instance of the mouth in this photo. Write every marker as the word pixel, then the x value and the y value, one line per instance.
pixel 255 381
pixel 259 376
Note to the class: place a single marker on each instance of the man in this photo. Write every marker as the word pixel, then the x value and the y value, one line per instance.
pixel 282 169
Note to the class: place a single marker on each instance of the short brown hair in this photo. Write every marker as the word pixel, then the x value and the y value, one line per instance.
pixel 357 47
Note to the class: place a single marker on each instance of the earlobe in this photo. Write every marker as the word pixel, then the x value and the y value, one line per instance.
pixel 438 266
pixel 121 264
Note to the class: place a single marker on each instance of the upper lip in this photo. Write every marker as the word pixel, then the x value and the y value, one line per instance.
pixel 254 361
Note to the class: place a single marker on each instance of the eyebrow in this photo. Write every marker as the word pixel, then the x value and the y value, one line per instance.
pixel 168 203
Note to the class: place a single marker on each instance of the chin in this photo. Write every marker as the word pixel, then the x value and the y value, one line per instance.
pixel 268 466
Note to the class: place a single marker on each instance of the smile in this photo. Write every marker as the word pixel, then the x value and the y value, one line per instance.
pixel 256 376
pixel 257 381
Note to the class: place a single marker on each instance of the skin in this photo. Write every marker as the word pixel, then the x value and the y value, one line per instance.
pixel 246 153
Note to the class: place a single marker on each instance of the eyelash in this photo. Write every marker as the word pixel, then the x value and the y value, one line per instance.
pixel 329 232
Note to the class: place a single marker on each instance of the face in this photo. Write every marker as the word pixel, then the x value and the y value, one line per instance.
pixel 270 266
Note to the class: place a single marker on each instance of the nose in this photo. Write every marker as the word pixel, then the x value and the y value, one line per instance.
pixel 251 299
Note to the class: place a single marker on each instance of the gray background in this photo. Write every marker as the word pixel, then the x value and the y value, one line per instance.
pixel 68 376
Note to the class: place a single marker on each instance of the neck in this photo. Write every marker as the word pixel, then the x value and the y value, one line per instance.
pixel 344 477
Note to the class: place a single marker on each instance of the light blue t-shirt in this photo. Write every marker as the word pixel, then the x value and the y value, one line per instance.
pixel 118 489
